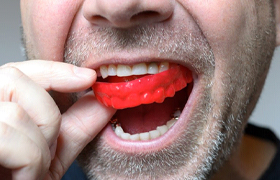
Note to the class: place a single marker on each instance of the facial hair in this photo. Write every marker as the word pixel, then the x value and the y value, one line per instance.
pixel 181 43
pixel 192 156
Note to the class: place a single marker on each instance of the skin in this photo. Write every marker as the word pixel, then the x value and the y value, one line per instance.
pixel 227 44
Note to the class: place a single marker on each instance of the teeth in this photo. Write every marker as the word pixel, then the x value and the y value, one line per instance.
pixel 177 114
pixel 170 123
pixel 145 136
pixel 137 69
pixel 125 136
pixel 163 66
pixel 104 71
pixel 123 70
pixel 135 137
pixel 162 129
pixel 154 134
pixel 153 68
pixel 119 131
pixel 112 70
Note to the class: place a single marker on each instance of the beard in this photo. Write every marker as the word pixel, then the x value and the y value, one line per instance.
pixel 185 44
pixel 215 127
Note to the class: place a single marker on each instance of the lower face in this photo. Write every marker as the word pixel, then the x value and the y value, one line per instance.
pixel 210 111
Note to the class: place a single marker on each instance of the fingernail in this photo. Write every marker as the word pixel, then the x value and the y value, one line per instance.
pixel 84 72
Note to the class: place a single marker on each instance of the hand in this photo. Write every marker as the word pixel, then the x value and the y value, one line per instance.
pixel 36 141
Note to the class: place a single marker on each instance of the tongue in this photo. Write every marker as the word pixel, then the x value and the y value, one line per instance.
pixel 145 118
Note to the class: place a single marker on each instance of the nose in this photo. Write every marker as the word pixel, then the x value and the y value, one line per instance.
pixel 127 13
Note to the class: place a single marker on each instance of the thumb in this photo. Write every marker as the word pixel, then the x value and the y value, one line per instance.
pixel 80 124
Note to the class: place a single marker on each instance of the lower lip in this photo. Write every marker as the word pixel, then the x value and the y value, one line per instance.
pixel 128 146
pixel 135 147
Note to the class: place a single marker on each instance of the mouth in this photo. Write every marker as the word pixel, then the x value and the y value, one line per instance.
pixel 149 98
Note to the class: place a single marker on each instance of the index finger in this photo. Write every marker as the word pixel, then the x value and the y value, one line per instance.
pixel 80 124
pixel 57 76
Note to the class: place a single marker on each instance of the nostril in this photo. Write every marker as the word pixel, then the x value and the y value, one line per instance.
pixel 127 13
pixel 145 15
pixel 98 18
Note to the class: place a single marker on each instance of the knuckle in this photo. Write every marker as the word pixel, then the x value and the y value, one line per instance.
pixel 10 71
pixel 39 158
pixel 57 119
pixel 16 112
pixel 55 115
pixel 9 77
pixel 9 64
pixel 13 112
pixel 52 127
pixel 4 130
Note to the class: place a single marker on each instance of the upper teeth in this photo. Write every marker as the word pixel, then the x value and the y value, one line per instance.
pixel 137 69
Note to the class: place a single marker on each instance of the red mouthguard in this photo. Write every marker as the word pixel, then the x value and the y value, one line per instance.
pixel 145 90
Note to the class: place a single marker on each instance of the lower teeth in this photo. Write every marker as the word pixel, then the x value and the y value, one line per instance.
pixel 159 131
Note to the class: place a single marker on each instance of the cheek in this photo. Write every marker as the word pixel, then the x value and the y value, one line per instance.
pixel 227 25
pixel 46 24
pixel 222 21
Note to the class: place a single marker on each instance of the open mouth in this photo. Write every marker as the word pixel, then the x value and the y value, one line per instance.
pixel 149 97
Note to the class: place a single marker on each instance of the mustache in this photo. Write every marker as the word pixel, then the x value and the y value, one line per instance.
pixel 183 43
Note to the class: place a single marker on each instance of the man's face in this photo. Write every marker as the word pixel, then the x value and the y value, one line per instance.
pixel 226 44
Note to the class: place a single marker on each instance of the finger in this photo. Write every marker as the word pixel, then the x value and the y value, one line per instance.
pixel 57 76
pixel 80 124
pixel 14 116
pixel 21 154
pixel 33 99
